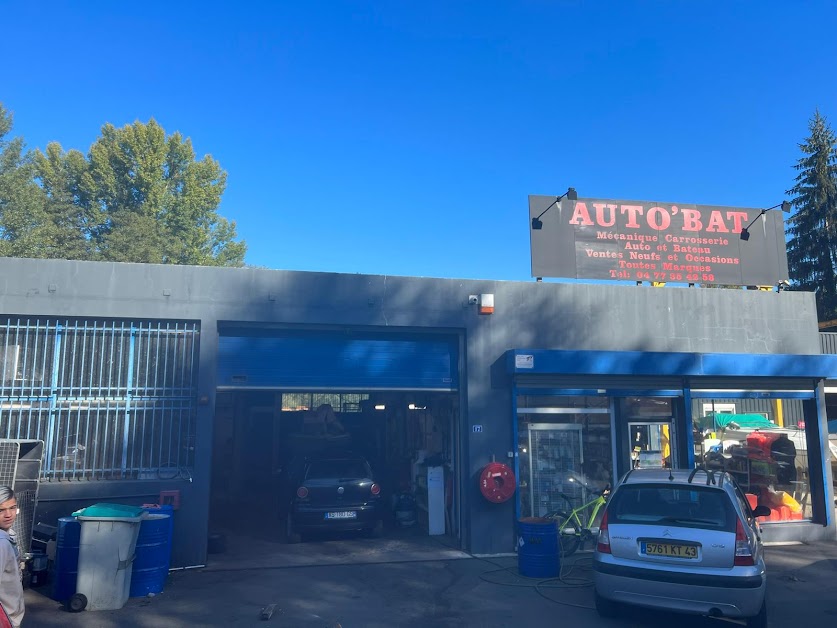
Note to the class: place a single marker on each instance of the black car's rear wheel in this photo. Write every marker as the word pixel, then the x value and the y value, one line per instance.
pixel 290 531
pixel 377 531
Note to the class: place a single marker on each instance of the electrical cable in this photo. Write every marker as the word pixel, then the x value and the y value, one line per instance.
pixel 565 579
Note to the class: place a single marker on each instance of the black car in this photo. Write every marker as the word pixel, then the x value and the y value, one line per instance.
pixel 333 491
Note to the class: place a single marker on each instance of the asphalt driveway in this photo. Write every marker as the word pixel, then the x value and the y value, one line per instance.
pixel 445 590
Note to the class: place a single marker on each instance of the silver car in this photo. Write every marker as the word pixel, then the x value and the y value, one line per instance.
pixel 681 540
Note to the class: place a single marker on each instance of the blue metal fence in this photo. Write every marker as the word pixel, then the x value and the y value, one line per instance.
pixel 111 399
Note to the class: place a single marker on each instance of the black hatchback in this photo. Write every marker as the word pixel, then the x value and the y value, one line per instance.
pixel 335 491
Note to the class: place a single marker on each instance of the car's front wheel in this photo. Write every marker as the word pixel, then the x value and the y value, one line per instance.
pixel 377 531
pixel 760 620
pixel 604 607
pixel 290 532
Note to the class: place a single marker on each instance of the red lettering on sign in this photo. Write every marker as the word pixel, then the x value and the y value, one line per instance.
pixel 632 211
pixel 716 223
pixel 658 218
pixel 738 219
pixel 691 220
pixel 581 216
pixel 600 218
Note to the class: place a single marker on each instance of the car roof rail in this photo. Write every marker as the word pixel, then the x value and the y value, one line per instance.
pixel 710 475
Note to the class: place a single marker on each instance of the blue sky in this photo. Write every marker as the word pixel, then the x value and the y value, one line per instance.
pixel 403 138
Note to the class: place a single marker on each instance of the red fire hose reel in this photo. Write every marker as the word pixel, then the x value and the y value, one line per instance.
pixel 497 483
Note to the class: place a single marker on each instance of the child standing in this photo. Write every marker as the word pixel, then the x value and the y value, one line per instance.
pixel 11 587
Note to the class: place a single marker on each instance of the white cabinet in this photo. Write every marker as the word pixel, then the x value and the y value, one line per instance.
pixel 430 498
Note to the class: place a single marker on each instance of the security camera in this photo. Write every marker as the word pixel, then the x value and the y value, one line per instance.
pixel 473 299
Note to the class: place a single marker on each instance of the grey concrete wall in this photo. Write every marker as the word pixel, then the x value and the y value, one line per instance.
pixel 528 315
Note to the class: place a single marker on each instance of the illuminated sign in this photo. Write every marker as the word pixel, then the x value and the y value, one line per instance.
pixel 656 242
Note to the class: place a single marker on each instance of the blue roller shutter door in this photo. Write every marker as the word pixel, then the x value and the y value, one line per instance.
pixel 335 361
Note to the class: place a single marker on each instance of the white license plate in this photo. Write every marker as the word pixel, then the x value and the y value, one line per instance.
pixel 669 549
pixel 346 514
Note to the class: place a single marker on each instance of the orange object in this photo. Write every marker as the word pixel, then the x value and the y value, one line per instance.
pixel 758 444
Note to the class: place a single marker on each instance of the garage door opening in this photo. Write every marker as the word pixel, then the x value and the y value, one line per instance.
pixel 409 439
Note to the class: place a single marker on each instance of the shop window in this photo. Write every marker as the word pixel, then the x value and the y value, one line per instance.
pixel 718 408
pixel 650 432
pixel 342 402
pixel 564 451
pixel 767 455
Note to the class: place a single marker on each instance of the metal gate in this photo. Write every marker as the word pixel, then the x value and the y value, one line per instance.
pixel 111 399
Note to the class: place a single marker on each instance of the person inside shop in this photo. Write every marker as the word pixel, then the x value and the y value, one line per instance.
pixel 783 452
pixel 11 585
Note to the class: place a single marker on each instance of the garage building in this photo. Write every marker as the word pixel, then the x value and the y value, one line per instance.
pixel 195 385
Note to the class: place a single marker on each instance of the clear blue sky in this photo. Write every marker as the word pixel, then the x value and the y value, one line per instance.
pixel 403 138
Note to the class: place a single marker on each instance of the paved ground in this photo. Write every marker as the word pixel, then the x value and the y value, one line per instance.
pixel 419 583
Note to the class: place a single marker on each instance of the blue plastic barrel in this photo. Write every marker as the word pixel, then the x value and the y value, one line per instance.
pixel 537 548
pixel 66 558
pixel 153 554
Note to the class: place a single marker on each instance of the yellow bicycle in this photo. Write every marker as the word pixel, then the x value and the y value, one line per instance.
pixel 572 532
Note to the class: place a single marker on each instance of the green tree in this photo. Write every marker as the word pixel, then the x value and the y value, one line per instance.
pixel 139 196
pixel 74 222
pixel 812 228
pixel 22 221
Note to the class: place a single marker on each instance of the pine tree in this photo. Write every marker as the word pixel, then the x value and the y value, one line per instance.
pixel 812 245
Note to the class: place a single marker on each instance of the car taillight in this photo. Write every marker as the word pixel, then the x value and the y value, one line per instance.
pixel 603 544
pixel 376 490
pixel 302 492
pixel 743 550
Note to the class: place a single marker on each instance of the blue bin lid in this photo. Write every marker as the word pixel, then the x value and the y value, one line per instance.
pixel 111 511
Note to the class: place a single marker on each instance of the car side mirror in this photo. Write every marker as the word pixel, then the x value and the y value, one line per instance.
pixel 761 511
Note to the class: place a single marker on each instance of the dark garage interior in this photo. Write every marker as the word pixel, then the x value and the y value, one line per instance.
pixel 257 433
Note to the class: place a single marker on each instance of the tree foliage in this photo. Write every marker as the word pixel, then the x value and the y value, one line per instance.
pixel 812 228
pixel 137 196
pixel 22 225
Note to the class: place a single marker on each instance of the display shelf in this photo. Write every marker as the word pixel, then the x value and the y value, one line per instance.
pixel 555 459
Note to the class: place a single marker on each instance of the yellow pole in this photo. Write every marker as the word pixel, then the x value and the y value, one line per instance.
pixel 665 440
pixel 778 411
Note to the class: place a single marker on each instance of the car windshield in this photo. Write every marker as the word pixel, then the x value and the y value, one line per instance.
pixel 338 469
pixel 664 504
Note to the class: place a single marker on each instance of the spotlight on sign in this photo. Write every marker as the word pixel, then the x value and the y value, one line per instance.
pixel 745 232
pixel 571 194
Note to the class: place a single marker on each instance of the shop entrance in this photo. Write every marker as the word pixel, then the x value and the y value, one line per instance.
pixel 647 434
pixel 650 445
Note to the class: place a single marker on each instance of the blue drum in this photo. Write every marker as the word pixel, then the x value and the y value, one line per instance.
pixel 537 548
pixel 66 558
pixel 153 554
